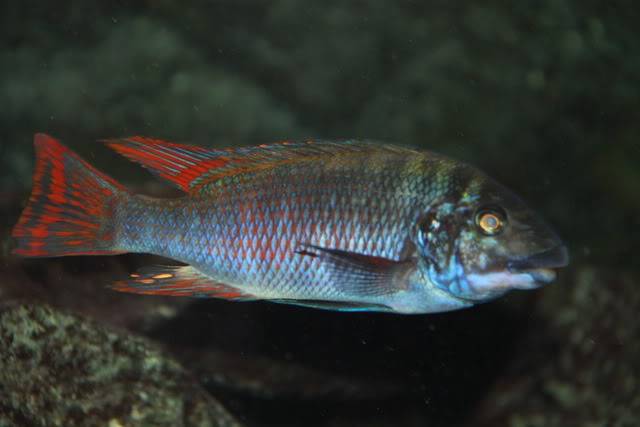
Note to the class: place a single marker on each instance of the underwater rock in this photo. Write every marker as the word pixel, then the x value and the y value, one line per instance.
pixel 580 362
pixel 58 369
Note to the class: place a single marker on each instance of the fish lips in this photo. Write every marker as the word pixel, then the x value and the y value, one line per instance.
pixel 540 266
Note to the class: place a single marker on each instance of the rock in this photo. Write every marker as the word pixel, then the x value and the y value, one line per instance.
pixel 58 369
pixel 580 363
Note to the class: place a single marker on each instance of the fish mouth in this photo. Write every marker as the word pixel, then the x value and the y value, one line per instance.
pixel 540 267
pixel 528 272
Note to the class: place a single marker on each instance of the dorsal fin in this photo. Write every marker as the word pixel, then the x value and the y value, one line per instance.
pixel 179 164
pixel 191 167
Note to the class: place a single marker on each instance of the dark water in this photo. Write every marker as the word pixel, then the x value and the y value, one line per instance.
pixel 544 96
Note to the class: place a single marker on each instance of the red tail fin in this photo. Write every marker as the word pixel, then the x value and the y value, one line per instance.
pixel 70 211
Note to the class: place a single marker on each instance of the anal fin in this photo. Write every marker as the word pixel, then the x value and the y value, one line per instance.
pixel 184 281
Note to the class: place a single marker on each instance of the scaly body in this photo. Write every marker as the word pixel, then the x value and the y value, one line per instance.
pixel 338 225
pixel 246 233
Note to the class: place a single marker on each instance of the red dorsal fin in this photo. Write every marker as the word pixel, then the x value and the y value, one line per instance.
pixel 180 164
pixel 192 167
pixel 185 281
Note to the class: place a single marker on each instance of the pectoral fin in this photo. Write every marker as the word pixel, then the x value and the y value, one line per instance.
pixel 361 275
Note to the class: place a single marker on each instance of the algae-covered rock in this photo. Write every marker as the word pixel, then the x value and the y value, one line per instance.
pixel 58 369
pixel 580 364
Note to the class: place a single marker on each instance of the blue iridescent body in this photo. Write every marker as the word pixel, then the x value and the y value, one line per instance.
pixel 342 225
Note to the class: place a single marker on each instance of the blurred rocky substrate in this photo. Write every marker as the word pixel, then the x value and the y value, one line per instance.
pixel 579 364
pixel 564 355
pixel 59 369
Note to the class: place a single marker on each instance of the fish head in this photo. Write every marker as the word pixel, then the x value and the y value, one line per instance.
pixel 487 242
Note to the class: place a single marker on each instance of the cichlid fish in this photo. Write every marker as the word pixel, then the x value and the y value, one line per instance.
pixel 346 225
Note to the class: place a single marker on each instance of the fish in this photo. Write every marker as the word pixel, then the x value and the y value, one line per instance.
pixel 340 225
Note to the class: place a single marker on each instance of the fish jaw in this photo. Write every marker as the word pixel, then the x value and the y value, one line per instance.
pixel 524 273
pixel 502 281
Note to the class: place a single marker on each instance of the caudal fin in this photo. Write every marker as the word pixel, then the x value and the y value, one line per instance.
pixel 71 208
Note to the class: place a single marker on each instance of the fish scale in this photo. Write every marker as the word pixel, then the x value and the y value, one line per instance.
pixel 266 262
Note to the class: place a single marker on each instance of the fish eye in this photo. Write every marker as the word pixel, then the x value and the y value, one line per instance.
pixel 491 221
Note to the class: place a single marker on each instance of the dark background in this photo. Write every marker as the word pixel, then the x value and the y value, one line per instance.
pixel 542 95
